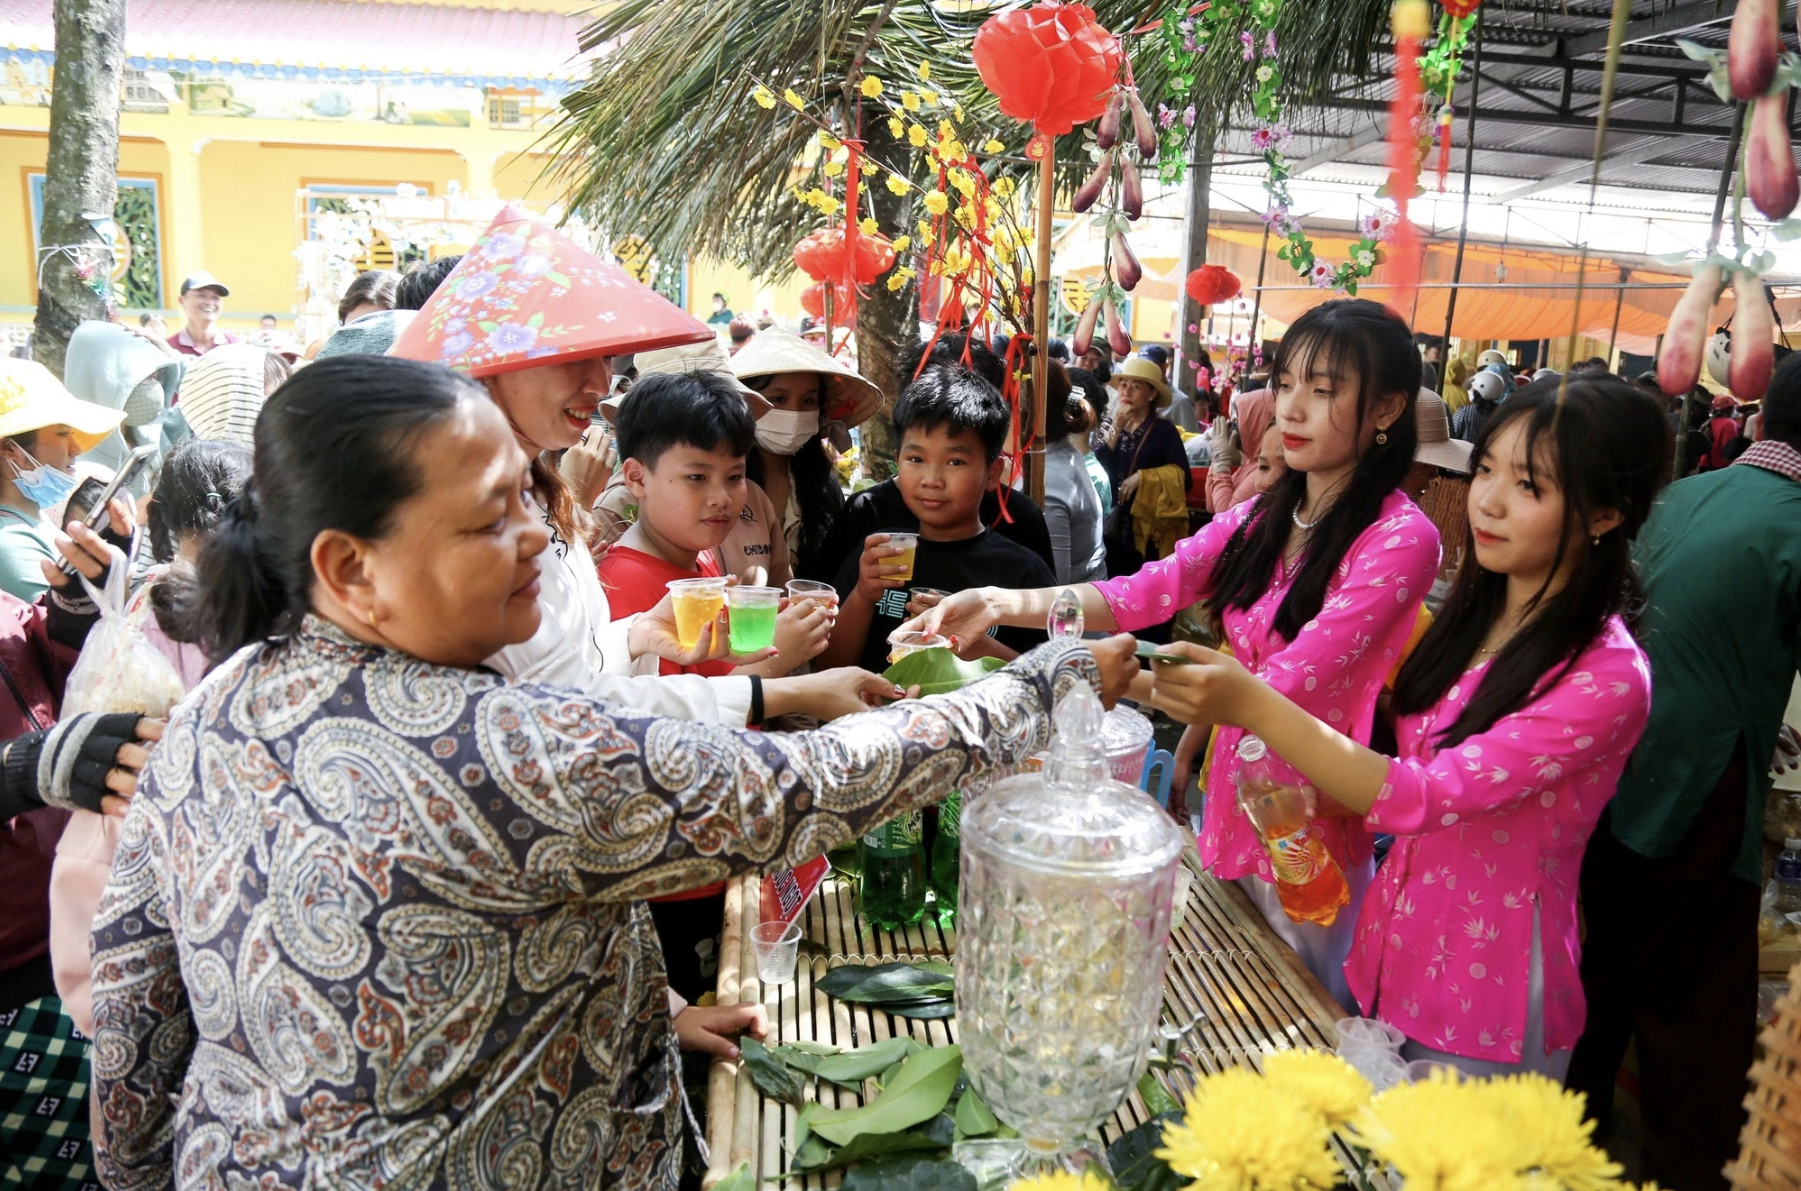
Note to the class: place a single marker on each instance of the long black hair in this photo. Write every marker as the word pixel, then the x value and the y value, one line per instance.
pixel 334 450
pixel 1606 445
pixel 812 477
pixel 1355 337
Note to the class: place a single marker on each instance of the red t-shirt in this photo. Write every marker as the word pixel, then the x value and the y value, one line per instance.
pixel 636 582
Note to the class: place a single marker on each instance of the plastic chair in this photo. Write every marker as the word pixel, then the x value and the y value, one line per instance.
pixel 1159 771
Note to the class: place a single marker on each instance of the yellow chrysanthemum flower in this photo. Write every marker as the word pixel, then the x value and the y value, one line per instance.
pixel 897 184
pixel 763 95
pixel 924 232
pixel 1548 1121
pixel 910 100
pixel 929 96
pixel 872 87
pixel 832 169
pixel 828 205
pixel 902 243
pixel 1003 188
pixel 867 226
pixel 1238 1132
pixel 962 180
pixel 827 141
pixel 897 127
pixel 794 99
pixel 1323 1082
pixel 958 113
pixel 916 136
pixel 992 146
pixel 925 71
pixel 937 202
pixel 1439 1133
pixel 1063 1181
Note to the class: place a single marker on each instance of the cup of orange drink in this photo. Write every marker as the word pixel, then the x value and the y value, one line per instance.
pixel 696 602
pixel 909 544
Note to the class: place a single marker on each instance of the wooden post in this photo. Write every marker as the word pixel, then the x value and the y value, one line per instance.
pixel 1041 319
pixel 1197 215
pixel 1463 224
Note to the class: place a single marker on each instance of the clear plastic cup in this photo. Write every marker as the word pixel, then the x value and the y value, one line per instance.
pixel 1421 1070
pixel 696 602
pixel 1369 1031
pixel 751 615
pixel 908 544
pixel 813 589
pixel 778 950
pixel 1178 906
pixel 902 644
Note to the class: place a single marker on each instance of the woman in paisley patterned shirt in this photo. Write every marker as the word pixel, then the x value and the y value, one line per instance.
pixel 1518 712
pixel 1315 583
pixel 375 918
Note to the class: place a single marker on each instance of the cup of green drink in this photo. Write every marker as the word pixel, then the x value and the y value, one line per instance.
pixel 751 612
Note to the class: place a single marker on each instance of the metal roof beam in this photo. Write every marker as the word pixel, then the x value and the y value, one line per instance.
pixel 1550 120
pixel 1670 23
pixel 1630 153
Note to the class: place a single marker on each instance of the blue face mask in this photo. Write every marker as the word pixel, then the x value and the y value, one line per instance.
pixel 43 486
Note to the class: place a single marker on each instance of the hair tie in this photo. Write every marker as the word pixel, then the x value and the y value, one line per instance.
pixel 214 502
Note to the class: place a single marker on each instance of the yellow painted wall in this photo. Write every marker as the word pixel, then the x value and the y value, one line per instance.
pixel 22 153
pixel 250 230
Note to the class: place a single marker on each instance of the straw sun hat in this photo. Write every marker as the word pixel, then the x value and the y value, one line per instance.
pixel 848 397
pixel 1432 418
pixel 1139 368
pixel 689 359
pixel 31 398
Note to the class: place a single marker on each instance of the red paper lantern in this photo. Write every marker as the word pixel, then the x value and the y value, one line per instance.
pixel 1212 283
pixel 1051 64
pixel 844 301
pixel 820 255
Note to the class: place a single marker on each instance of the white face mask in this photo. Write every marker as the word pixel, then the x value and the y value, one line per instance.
pixel 783 432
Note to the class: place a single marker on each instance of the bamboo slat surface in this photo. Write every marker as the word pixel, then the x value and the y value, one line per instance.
pixel 1249 989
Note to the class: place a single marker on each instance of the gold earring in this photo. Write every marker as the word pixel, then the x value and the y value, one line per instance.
pixel 371 618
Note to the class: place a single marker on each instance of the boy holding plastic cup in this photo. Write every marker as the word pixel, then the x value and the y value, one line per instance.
pixel 682 444
pixel 952 424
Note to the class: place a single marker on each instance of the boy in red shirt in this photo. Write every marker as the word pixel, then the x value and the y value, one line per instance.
pixel 682 444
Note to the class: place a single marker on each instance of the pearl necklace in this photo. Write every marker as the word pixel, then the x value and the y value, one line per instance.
pixel 1300 524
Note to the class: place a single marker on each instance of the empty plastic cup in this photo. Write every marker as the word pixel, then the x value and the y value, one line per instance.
pixel 1421 1070
pixel 697 602
pixel 778 950
pixel 752 612
pixel 902 644
pixel 908 543
pixel 1369 1031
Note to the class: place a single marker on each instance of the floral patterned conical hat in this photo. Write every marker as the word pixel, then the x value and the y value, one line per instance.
pixel 525 294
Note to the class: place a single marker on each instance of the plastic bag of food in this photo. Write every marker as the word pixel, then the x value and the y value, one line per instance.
pixel 119 668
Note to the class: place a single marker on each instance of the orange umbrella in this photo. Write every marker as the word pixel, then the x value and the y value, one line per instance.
pixel 525 295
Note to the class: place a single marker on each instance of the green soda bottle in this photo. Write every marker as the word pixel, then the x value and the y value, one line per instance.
pixel 894 873
pixel 945 850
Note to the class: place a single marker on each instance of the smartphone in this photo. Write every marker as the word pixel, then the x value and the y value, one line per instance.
pixel 1149 652
pixel 128 473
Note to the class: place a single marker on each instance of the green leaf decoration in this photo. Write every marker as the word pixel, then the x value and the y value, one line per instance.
pixel 739 1180
pixel 1788 229
pixel 939 671
pixel 768 1072
pixel 917 1094
pixel 1156 1097
pixel 879 984
pixel 910 1173
pixel 814 1155
pixel 974 1118
pixel 866 1062
pixel 1134 1160
pixel 556 278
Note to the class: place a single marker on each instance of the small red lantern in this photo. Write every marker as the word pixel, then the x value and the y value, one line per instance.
pixel 844 301
pixel 820 255
pixel 1212 283
pixel 1051 64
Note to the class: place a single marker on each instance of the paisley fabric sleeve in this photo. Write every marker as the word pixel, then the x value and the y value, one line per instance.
pixel 638 807
pixel 143 1030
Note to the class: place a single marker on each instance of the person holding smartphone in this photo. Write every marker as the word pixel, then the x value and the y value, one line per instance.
pixel 43 427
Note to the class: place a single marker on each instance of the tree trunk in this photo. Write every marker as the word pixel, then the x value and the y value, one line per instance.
pixel 887 321
pixel 82 177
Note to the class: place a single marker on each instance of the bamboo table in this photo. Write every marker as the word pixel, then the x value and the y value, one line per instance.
pixel 1248 988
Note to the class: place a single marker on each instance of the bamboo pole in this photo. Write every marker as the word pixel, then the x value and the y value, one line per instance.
pixel 1041 319
pixel 1469 170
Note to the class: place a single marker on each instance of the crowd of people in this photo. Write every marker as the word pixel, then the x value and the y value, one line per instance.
pixel 408 868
